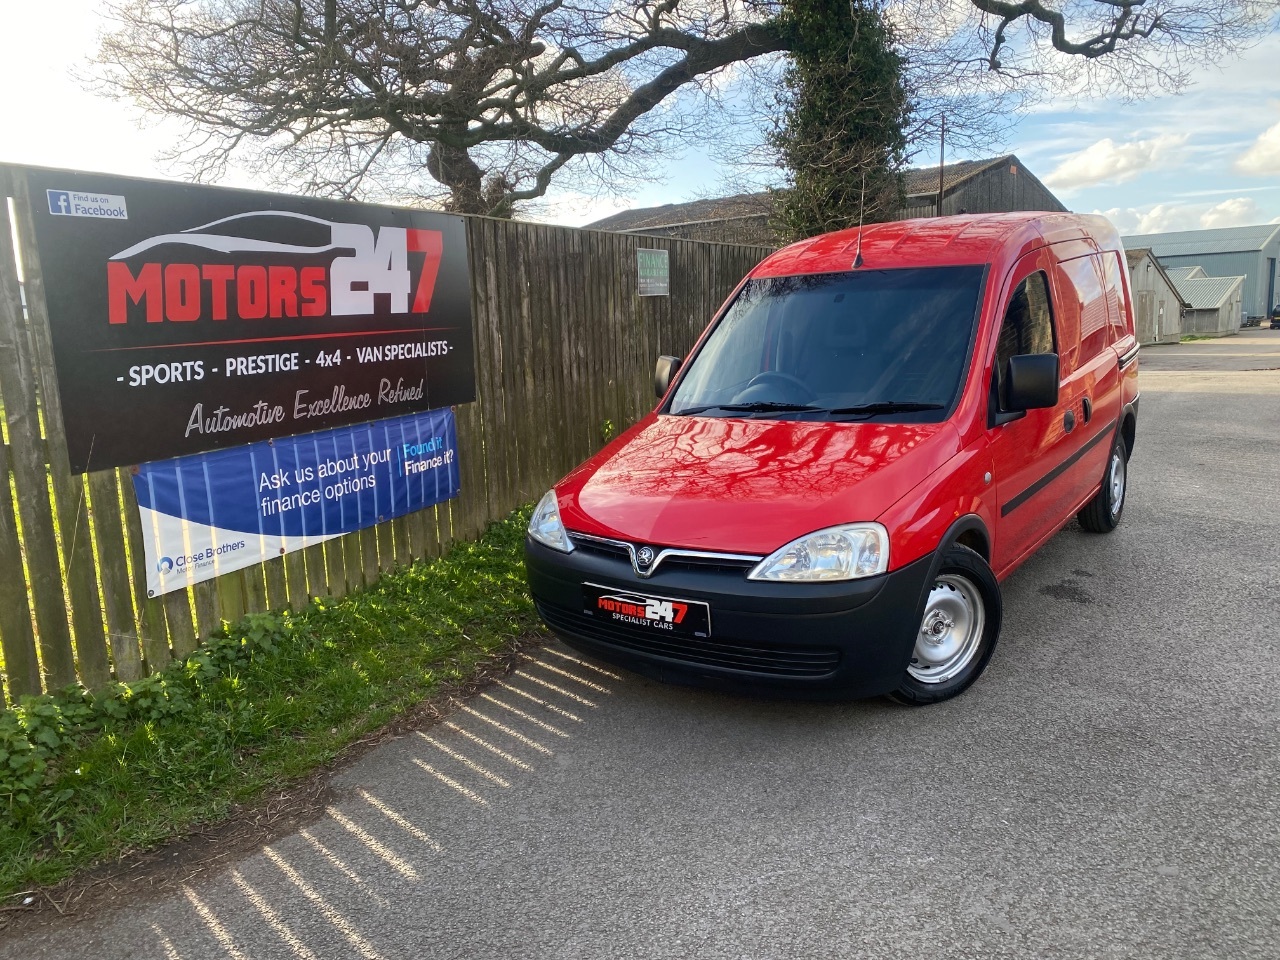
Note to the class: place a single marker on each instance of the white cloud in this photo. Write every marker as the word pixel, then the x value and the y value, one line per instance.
pixel 1170 217
pixel 1108 161
pixel 1263 157
pixel 1236 212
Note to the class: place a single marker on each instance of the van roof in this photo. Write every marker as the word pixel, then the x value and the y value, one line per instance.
pixel 939 241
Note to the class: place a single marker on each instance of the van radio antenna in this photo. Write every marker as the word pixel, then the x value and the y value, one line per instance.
pixel 862 205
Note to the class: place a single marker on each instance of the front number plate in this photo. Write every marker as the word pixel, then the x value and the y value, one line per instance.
pixel 667 614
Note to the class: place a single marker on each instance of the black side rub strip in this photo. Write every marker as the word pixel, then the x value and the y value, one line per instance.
pixel 1129 357
pixel 1057 471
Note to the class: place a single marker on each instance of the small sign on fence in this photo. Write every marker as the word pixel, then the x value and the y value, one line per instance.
pixel 209 514
pixel 654 270
pixel 187 318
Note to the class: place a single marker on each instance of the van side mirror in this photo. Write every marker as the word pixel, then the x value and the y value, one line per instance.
pixel 663 373
pixel 1031 381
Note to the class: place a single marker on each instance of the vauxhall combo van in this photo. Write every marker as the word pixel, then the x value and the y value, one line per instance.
pixel 877 428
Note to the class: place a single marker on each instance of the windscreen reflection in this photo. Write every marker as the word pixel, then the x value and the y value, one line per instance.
pixel 863 344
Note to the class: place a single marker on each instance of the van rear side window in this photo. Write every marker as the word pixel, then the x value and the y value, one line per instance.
pixel 1027 327
pixel 1095 330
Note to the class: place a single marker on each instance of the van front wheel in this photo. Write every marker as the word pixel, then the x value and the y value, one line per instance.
pixel 957 633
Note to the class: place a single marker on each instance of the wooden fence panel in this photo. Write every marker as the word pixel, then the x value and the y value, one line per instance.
pixel 277 586
pixel 79 571
pixel 208 611
pixel 21 664
pixel 231 599
pixel 564 345
pixel 117 593
pixel 182 632
pixel 152 626
pixel 30 476
pixel 295 568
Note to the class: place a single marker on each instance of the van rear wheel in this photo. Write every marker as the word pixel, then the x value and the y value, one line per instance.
pixel 958 630
pixel 1102 513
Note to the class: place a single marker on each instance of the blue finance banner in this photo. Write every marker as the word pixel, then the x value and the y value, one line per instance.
pixel 212 513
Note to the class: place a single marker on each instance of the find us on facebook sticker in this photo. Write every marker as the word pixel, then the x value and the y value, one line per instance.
pixel 75 203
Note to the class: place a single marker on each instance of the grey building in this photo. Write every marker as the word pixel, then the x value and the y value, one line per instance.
pixel 1214 307
pixel 997 185
pixel 1251 252
pixel 1157 304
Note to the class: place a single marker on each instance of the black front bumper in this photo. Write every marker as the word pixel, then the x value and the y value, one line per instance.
pixel 845 640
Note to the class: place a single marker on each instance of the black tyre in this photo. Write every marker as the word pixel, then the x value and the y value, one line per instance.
pixel 1102 513
pixel 958 631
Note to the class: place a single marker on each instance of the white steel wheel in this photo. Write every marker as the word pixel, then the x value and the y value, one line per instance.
pixel 958 630
pixel 1102 513
pixel 951 630
pixel 1117 476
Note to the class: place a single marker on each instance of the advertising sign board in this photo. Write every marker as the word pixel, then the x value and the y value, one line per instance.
pixel 212 513
pixel 653 269
pixel 187 318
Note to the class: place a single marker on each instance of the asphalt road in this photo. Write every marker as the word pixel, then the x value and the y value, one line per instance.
pixel 1110 788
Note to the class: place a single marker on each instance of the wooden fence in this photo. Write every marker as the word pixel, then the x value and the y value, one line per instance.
pixel 564 355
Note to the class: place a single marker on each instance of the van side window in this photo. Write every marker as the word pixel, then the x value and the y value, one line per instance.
pixel 1115 296
pixel 1095 331
pixel 1027 327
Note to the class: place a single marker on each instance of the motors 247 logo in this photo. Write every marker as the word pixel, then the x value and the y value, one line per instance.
pixel 275 265
pixel 647 611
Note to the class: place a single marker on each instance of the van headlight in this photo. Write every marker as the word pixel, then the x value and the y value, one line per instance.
pixel 847 552
pixel 545 525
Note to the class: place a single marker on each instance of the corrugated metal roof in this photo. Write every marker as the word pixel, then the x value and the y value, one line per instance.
pixel 1219 240
pixel 1209 293
pixel 1185 273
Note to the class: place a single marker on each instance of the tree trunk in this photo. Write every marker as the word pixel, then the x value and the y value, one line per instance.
pixel 454 168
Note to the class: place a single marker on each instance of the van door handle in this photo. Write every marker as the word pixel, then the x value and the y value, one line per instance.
pixel 1069 420
pixel 1087 405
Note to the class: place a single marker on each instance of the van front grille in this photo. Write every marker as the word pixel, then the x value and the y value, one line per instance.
pixel 755 657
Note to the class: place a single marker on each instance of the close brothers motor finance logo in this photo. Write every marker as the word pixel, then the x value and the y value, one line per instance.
pixel 400 263
pixel 643 608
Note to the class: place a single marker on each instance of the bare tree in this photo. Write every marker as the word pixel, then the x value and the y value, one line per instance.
pixel 492 99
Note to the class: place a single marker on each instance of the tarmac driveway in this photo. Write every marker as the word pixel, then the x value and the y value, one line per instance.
pixel 1110 788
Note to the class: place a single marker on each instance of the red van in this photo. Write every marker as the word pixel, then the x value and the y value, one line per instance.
pixel 876 429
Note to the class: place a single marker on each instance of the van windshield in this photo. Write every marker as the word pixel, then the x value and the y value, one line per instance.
pixel 868 343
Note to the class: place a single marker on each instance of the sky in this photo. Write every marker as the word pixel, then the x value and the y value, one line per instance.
pixel 1207 158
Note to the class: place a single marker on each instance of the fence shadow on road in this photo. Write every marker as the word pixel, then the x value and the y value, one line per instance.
pixel 329 890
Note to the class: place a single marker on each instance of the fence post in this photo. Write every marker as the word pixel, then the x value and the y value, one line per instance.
pixel 30 478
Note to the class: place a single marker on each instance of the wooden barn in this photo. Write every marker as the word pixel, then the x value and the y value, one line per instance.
pixel 1157 304
pixel 998 185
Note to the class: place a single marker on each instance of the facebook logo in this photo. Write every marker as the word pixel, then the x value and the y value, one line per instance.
pixel 76 203
pixel 59 202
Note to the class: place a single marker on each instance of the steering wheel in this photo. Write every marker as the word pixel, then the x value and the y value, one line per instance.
pixel 799 387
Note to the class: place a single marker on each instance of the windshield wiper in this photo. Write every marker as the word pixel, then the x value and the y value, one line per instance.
pixel 758 406
pixel 887 406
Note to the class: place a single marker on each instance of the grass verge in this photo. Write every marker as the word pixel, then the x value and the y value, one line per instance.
pixel 92 777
